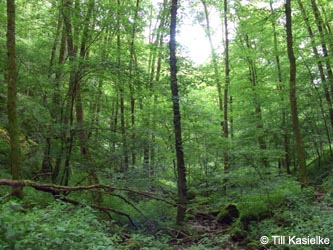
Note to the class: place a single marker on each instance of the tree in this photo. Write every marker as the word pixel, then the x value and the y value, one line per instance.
pixel 226 86
pixel 181 170
pixel 292 96
pixel 13 130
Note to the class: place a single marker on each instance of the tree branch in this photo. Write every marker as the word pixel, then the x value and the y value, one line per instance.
pixel 56 189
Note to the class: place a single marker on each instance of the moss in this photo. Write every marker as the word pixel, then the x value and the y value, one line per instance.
pixel 228 214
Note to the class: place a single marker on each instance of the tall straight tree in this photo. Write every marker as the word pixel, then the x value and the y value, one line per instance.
pixel 292 95
pixel 15 148
pixel 181 170
pixel 285 160
pixel 215 63
pixel 226 86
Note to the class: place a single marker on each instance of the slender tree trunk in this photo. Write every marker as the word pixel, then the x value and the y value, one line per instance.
pixel 58 112
pixel 215 62
pixel 83 138
pixel 286 160
pixel 114 121
pixel 181 171
pixel 133 67
pixel 226 87
pixel 47 159
pixel 231 118
pixel 157 79
pixel 293 99
pixel 319 61
pixel 55 108
pixel 257 104
pixel 125 160
pixel 154 69
pixel 68 134
pixel 326 57
pixel 321 105
pixel 13 129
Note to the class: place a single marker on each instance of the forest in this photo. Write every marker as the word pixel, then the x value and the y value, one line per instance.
pixel 113 137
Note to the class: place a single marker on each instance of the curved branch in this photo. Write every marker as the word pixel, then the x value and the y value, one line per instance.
pixel 56 189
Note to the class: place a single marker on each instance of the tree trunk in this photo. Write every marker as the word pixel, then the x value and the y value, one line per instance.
pixel 181 171
pixel 56 106
pixel 68 133
pixel 132 71
pixel 226 88
pixel 293 100
pixel 215 63
pixel 125 160
pixel 322 34
pixel 13 129
pixel 257 104
pixel 286 160
pixel 319 61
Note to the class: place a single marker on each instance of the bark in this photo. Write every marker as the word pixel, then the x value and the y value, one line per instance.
pixel 226 87
pixel 92 177
pixel 83 138
pixel 125 160
pixel 286 160
pixel 231 118
pixel 56 106
pixel 68 134
pixel 13 129
pixel 181 171
pixel 55 44
pixel 56 189
pixel 47 159
pixel 133 67
pixel 155 96
pixel 293 99
pixel 114 120
pixel 155 71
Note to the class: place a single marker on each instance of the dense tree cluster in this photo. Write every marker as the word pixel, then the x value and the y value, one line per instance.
pixel 100 92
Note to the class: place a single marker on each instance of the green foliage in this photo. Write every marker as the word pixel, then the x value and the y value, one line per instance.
pixel 144 242
pixel 269 202
pixel 57 226
pixel 302 220
pixel 157 211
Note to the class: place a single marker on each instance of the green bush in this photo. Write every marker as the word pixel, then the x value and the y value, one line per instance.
pixel 58 226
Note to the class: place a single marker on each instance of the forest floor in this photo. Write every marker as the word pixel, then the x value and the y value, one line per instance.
pixel 252 207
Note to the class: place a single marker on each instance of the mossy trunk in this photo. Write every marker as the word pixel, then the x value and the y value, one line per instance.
pixel 11 77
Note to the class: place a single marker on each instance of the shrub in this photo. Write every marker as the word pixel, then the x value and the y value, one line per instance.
pixel 57 226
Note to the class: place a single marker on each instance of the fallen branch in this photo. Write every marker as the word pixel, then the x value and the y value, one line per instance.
pixel 56 189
